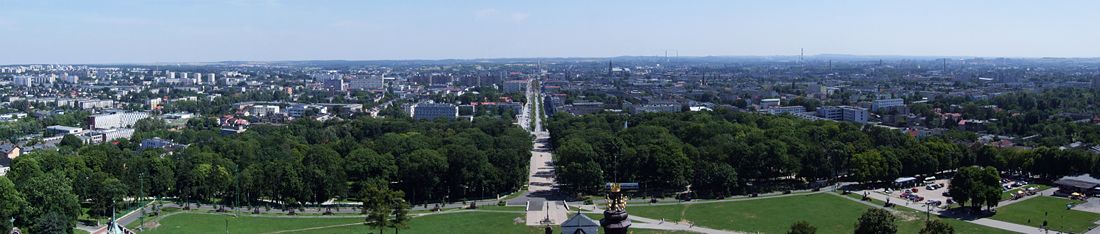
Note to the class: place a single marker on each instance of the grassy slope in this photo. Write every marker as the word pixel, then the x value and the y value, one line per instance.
pixel 215 223
pixel 461 222
pixel 1060 218
pixel 829 213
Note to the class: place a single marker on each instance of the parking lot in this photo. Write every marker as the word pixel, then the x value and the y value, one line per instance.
pixel 924 194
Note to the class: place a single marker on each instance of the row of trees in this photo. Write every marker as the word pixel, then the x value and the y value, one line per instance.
pixel 720 153
pixel 724 152
pixel 286 166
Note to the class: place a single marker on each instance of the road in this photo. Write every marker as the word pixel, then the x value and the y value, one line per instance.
pixel 542 199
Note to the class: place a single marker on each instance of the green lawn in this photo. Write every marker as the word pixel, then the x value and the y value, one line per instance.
pixel 216 223
pixel 1054 210
pixel 829 213
pixel 503 208
pixel 463 222
pixel 459 222
pixel 1006 195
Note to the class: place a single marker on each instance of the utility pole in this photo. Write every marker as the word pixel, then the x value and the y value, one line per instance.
pixel 927 212
pixel 141 192
pixel 237 195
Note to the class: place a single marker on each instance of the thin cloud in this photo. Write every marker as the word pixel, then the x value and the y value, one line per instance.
pixel 494 14
pixel 5 23
pixel 353 24
pixel 124 22
pixel 520 16
pixel 486 13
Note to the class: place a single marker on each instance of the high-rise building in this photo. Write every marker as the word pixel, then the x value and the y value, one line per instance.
pixel 198 78
pixel 366 83
pixel 512 86
pixel 882 104
pixel 336 84
pixel 115 119
pixel 430 111
pixel 769 103
pixel 844 113
pixel 22 81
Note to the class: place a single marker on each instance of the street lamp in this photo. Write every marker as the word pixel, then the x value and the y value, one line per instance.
pixel 928 212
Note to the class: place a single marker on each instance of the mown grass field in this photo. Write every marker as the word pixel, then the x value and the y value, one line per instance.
pixel 828 212
pixel 1033 211
pixel 457 222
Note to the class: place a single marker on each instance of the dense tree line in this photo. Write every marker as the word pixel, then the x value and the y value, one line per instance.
pixel 724 152
pixel 283 166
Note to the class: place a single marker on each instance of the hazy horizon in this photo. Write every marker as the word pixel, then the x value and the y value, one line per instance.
pixel 138 32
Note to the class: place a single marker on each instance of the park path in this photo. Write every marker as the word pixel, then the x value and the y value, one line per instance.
pixel 542 199
pixel 648 223
pixel 544 204
pixel 1047 192
pixel 981 221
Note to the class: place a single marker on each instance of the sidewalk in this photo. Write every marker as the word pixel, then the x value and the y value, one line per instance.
pixel 982 221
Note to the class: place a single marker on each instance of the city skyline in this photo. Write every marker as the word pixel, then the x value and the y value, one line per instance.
pixel 209 31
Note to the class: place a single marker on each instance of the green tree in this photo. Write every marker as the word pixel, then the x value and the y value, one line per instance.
pixel 379 202
pixel 106 194
pixel 50 193
pixel 71 141
pixel 876 221
pixel 366 164
pixel 324 171
pixel 53 222
pixel 937 227
pixel 400 212
pixel 802 227
pixel 714 179
pixel 868 166
pixel 421 171
pixel 977 186
pixel 12 204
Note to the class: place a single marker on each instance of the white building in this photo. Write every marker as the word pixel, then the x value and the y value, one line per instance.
pixel 63 130
pixel 367 83
pixel 297 111
pixel 769 103
pixel 844 113
pixel 886 103
pixel 430 111
pixel 116 119
pixel 22 81
pixel 264 110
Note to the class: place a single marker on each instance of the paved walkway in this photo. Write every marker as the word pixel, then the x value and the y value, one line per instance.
pixel 981 221
pixel 542 198
pixel 647 223
pixel 1047 192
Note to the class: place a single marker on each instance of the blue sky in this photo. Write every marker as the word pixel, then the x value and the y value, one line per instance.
pixel 206 30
